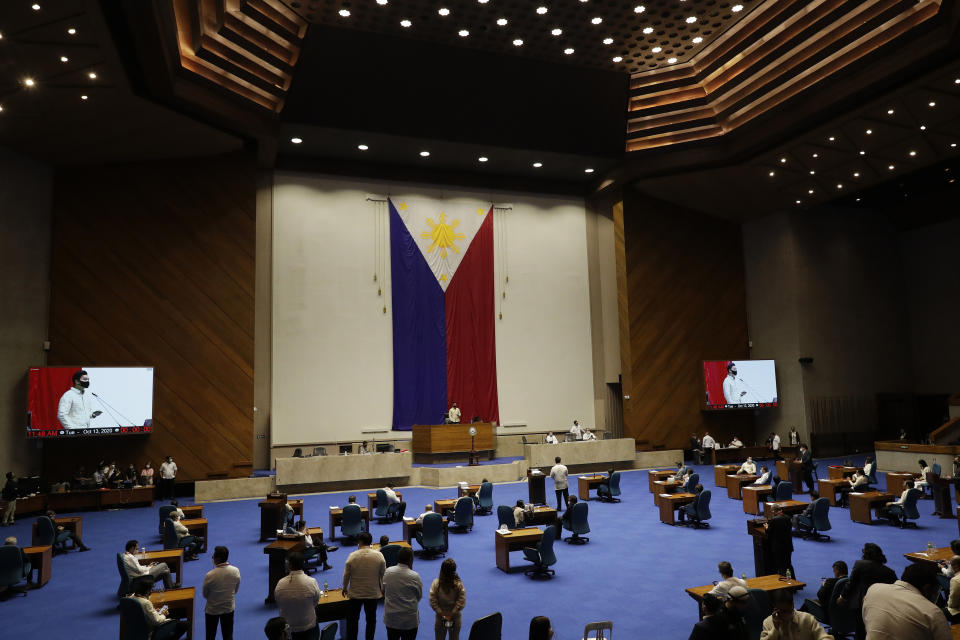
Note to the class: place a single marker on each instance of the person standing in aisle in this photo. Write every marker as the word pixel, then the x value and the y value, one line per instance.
pixel 402 591
pixel 220 587
pixel 168 478
pixel 560 485
pixel 447 598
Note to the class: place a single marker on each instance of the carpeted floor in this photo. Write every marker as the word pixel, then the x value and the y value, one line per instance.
pixel 632 572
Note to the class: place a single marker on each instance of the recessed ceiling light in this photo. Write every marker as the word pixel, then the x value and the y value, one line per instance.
pixel 296 140
pixel 889 112
pixel 657 49
pixel 816 155
pixel 931 104
pixel 691 19
pixel 463 33
pixel 382 3
pixel 443 11
pixel 858 199
pixel 956 81
pixel 856 174
pixel 92 75
pixel 798 202
pixel 84 97
pixel 608 41
pixel 518 42
pixel 890 167
pixel 71 31
pixel 29 82
pixel 812 172
pixel 537 165
pixel 405 24
pixel 869 131
pixel 541 10
pixel 1 108
pixel 502 22
pixel 639 8
pixel 810 191
pixel 737 8
pixel 596 20
pixel 783 160
pixel 617 58
pixel 671 60
pixel 648 30
pixel 424 154
pixel 772 173
pixel 64 59
pixel 839 186
pixel 556 32
pixel 953 145
pixel 344 13
pixel 913 154
pixel 483 159
pixel 863 153
pixel 697 40
pixel 362 147
pixel 568 51
pixel 923 127
pixel 35 7
pixel 588 170
pixel 831 138
pixel 483 1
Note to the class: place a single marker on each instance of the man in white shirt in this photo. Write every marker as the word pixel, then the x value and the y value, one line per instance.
pixel 576 430
pixel 708 442
pixel 551 439
pixel 297 596
pixel 904 610
pixel 559 475
pixel 748 468
pixel 454 414
pixel 794 437
pixel 727 581
pixel 588 435
pixel 733 391
pixel 426 509
pixel 363 585
pixel 787 623
pixel 392 498
pixel 736 443
pixel 775 445
pixel 193 545
pixel 681 471
pixel 764 476
pixel 220 587
pixel 141 591
pixel 868 465
pixel 154 569
pixel 402 591
pixel 168 475
pixel 75 410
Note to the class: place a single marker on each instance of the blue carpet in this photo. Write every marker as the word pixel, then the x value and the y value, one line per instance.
pixel 632 572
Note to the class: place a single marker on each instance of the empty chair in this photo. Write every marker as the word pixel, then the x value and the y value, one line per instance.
pixel 542 556
pixel 463 514
pixel 12 569
pixel 577 523
pixel 298 453
pixel 609 492
pixel 385 510
pixel 784 491
pixel 430 536
pixel 600 630
pixel 690 486
pixel 843 618
pixel 485 498
pixel 505 516
pixel 165 512
pixel 901 514
pixel 319 451
pixel 698 511
pixel 47 534
pixel 391 553
pixel 329 632
pixel 818 521
pixel 352 523
pixel 487 628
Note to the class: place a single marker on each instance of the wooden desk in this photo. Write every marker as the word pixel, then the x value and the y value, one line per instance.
pixel 763 452
pixel 99 499
pixel 791 469
pixel 336 517
pixel 271 515
pixel 69 523
pixel 665 486
pixel 451 438
pixel 754 495
pixel 942 490
pixel 541 515
pixel 955 631
pixel 278 551
pixel 735 484
pixel 654 475
pixel 586 483
pixel 670 502
pixel 197 527
pixel 830 487
pixel 180 602
pixel 836 472
pixel 789 507
pixel 28 506
pixel 372 500
pixel 721 471
pixel 134 496
pixel 411 526
pixel 862 502
pixel 768 583
pixel 514 540
pixel 192 511
pixel 400 543
pixel 443 505
pixel 316 533
pixel 42 559
pixel 172 557
pixel 469 490
pixel 943 553
pixel 897 481
pixel 333 607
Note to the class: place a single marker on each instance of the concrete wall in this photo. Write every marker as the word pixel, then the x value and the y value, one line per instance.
pixel 26 189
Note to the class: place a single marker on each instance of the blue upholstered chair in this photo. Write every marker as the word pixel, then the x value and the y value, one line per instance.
pixel 124 587
pixel 12 569
pixel 385 510
pixel 133 620
pixel 165 512
pixel 610 493
pixel 391 553
pixel 577 523
pixel 505 516
pixel 47 534
pixel 698 511
pixel 487 628
pixel 784 491
pixel 691 484
pixel 463 514
pixel 352 523
pixel 842 617
pixel 485 498
pixel 901 515
pixel 542 556
pixel 935 467
pixel 819 520
pixel 170 537
pixel 757 611
pixel 329 632
pixel 430 536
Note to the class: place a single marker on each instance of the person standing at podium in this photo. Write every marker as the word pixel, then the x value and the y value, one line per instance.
pixel 576 430
pixel 560 485
pixel 453 416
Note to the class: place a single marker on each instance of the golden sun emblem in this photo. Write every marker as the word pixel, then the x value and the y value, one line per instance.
pixel 443 235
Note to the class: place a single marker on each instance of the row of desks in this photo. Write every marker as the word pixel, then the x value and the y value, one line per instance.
pixel 85 499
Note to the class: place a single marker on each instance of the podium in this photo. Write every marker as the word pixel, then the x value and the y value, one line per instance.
pixel 440 442
pixel 762 556
pixel 536 486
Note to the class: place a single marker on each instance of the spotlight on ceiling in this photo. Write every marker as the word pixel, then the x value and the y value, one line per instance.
pixel 889 112
pixel 362 147
pixel 856 174
pixel 556 32
pixel 588 170
pixel 931 104
pixel 783 160
pixel 608 41
pixel 382 3
pixel 541 10
pixel 71 31
pixel 482 159
pixel 671 60
pixel 923 127
pixel 518 42
pixel 502 22
pixel 463 33
pixel 891 167
pixel 831 138
pixel 64 59
pixel 869 131
pixel 84 97
pixel 862 152
pixel 92 75
pixel 596 20
pixel 737 8
pixel 406 24
pixel 816 155
pixel 568 51
pixel 537 165
pixel 639 8
pixel 443 11
pixel 913 154
pixel 691 19
pixel 697 40
pixel 29 82
pixel 839 186
pixel 772 173
pixel 648 30
pixel 424 154
pixel 618 58
pixel 35 7
pixel 296 140
pixel 344 13
pixel 657 49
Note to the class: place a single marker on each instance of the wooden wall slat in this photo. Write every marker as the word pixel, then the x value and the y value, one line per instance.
pixel 153 264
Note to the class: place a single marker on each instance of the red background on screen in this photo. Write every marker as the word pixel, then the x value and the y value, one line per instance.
pixel 47 384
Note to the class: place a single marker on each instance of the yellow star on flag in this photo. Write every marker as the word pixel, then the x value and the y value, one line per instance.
pixel 403 206
pixel 481 211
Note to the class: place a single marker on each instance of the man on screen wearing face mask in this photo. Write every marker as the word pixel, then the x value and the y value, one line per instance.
pixel 76 405
pixel 733 391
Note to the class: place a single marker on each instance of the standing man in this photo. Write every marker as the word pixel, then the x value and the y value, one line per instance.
pixel 576 430
pixel 775 445
pixel 363 585
pixel 559 475
pixel 733 391
pixel 806 469
pixel 75 410
pixel 794 437
pixel 708 445
pixel 780 536
pixel 402 591
pixel 297 596
pixel 168 477
pixel 695 451
pixel 10 493
pixel 220 587
pixel 454 414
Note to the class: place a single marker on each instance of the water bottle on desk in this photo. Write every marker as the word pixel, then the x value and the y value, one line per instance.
pixel 744 576
pixel 929 548
pixel 789 575
pixel 326 588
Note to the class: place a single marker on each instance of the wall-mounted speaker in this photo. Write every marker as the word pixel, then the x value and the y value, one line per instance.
pixel 805 361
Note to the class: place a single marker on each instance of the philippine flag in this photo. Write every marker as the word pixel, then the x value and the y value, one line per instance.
pixel 444 342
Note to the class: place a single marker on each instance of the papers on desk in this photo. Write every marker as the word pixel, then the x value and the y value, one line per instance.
pixel 536 472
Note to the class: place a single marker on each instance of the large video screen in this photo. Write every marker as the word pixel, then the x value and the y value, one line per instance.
pixel 740 384
pixel 89 401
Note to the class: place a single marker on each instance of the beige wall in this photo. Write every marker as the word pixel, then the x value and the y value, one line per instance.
pixel 25 211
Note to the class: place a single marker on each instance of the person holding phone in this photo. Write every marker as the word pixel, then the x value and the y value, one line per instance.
pixel 172 629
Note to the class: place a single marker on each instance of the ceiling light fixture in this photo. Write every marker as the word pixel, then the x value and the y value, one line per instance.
pixel 424 154
pixel 501 22
pixel 783 160
pixel 618 58
pixel 798 202
pixel 482 159
pixel 640 9
pixel 463 33
pixel 608 41
pixel 839 186
pixel 869 131
pixel 657 49
pixel 344 13
pixel 29 82
pixel 71 31
pixel 890 167
pixel 810 191
pixel 913 154
pixel 35 7
pixel 816 155
pixel 923 127
pixel 296 140
pixel 83 97
pixel 812 172
pixel 382 3
pixel 483 1
pixel 597 20
pixel 537 165
pixel 737 8
pixel 956 81
pixel 697 40
pixel 64 59
pixel 858 199
pixel 856 174
pixel 518 42
pixel 648 30
pixel 556 32
pixel 691 19
pixel 568 51
pixel 92 75
pixel 953 145
pixel 863 153
pixel 588 170
pixel 889 112
pixel 831 138
pixel 443 11
pixel 362 147
pixel 931 104
pixel 541 10
pixel 772 173
pixel 406 24
pixel 671 60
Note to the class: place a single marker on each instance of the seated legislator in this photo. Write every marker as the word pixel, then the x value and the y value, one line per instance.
pixel 689 508
pixel 364 448
pixel 551 439
pixel 426 509
pixel 192 550
pixel 682 470
pixel 312 550
pixel 154 569
pixel 736 443
pixel 714 623
pixel 884 511
pixel 868 466
pixel 953 601
pixel 518 513
pixel 825 592
pixel 177 510
pixel 160 625
pixel 764 476
pixel 453 415
pixel 727 581
pixel 858 482
pixel 785 622
pixel 924 470
pixel 73 536
pixel 393 499
pixel 27 567
pixel 747 468
pixel 945 567
pixel 588 435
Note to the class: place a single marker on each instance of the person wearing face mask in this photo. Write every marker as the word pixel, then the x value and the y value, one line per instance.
pixel 168 477
pixel 146 475
pixel 75 410
pixel 905 609
pixel 733 391
pixel 220 587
